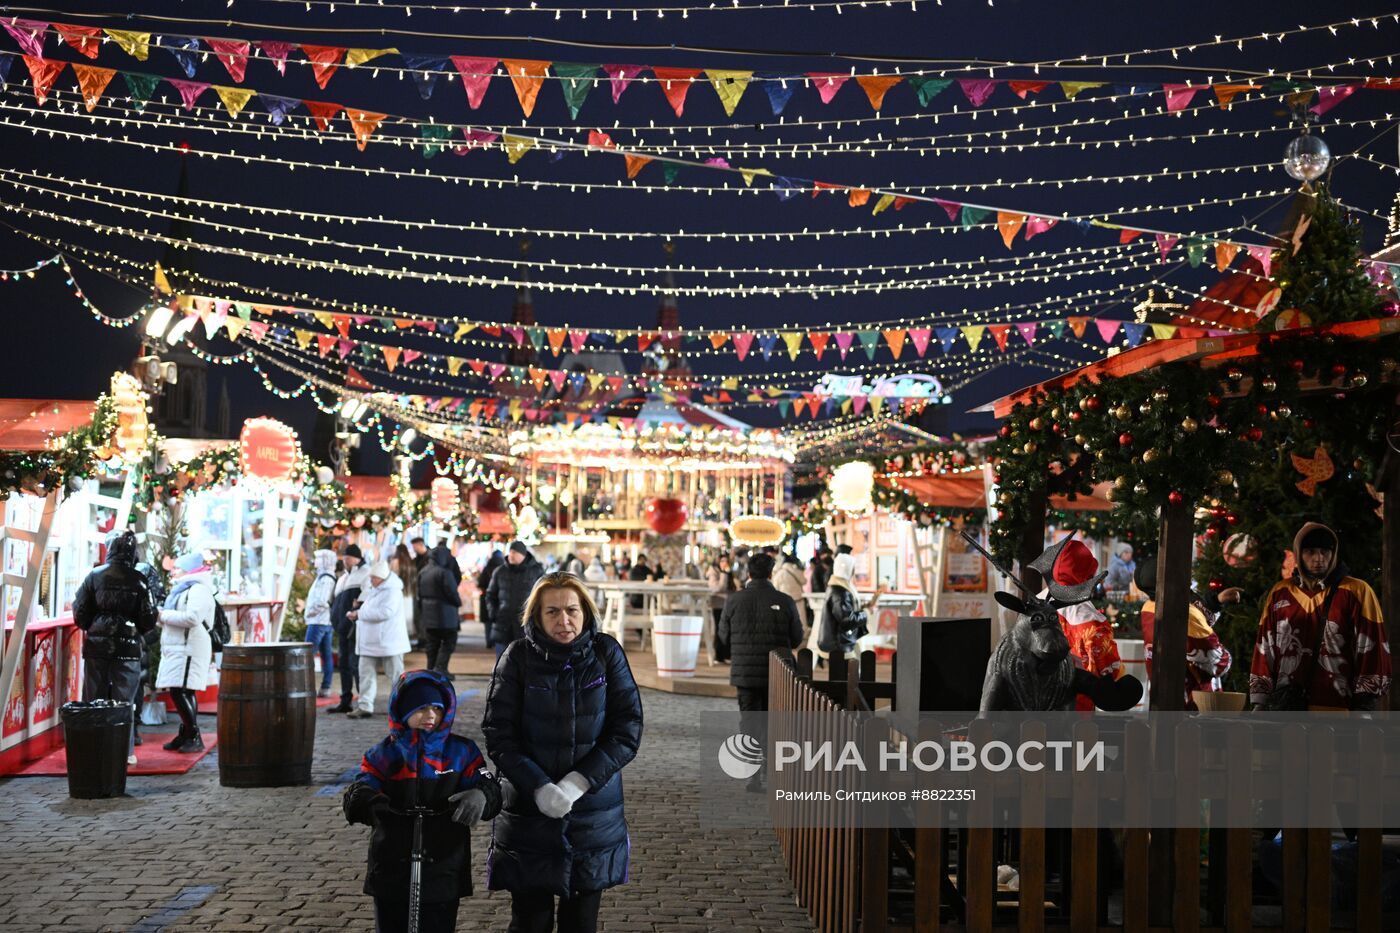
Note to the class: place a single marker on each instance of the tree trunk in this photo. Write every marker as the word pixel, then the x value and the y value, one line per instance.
pixel 1168 693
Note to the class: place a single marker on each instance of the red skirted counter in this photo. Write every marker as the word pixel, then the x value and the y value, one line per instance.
pixel 49 674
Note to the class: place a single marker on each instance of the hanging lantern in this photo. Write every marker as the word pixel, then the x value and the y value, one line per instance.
pixel 129 438
pixel 267 450
pixel 852 485
pixel 666 516
pixel 446 499
pixel 1306 157
pixel 757 531
pixel 527 523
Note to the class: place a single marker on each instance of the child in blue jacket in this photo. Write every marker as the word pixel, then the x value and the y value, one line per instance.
pixel 421 764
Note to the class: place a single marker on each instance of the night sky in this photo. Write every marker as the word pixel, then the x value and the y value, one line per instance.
pixel 56 349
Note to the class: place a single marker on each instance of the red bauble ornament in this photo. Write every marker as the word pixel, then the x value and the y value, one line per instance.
pixel 1262 410
pixel 1309 423
pixel 1232 519
pixel 1255 434
pixel 666 516
pixel 1213 401
pixel 1005 431
pixel 1175 497
pixel 1125 439
pixel 1339 370
pixel 1216 584
pixel 1296 365
pixel 1092 403
pixel 1075 416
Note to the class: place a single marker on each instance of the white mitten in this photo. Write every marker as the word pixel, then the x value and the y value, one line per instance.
pixel 574 786
pixel 552 801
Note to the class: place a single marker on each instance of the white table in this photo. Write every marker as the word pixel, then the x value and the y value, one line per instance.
pixel 682 597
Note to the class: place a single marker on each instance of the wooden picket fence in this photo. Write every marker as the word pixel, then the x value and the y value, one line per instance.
pixel 934 878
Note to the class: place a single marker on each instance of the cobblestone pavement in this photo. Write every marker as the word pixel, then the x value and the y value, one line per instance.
pixel 183 853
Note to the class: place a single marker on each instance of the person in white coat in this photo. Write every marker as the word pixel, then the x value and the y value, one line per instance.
pixel 318 615
pixel 791 580
pixel 380 634
pixel 186 649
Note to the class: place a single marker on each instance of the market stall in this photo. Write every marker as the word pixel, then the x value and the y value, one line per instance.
pixel 48 542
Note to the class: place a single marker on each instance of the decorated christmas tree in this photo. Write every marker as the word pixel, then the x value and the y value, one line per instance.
pixel 1325 432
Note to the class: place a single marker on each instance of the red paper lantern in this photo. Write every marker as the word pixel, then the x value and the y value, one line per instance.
pixel 666 516
pixel 267 449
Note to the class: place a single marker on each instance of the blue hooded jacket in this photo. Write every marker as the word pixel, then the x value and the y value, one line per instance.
pixel 410 768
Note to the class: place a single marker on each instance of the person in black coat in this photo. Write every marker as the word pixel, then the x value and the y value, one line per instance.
pixel 113 608
pixel 483 582
pixel 563 717
pixel 510 587
pixel 438 602
pixel 757 620
pixel 421 763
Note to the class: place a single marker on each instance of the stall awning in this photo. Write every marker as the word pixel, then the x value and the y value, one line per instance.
pixel 966 491
pixel 368 492
pixel 28 423
pixel 1205 350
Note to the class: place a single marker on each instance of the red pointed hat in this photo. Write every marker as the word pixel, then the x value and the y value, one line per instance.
pixel 1075 565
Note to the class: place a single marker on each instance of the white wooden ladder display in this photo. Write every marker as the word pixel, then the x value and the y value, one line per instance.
pixel 282 546
pixel 36 540
pixel 929 546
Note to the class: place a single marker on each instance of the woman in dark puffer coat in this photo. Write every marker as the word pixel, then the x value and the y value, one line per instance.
pixel 563 717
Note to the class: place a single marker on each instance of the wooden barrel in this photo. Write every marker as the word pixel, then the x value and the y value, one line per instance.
pixel 267 715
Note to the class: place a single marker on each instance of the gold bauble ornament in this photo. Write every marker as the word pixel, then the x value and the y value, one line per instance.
pixel 1150 454
pixel 1189 425
pixel 1160 395
pixel 1145 408
pixel 1080 439
pixel 1268 384
pixel 1122 413
pixel 1225 478
pixel 1120 482
pixel 1030 447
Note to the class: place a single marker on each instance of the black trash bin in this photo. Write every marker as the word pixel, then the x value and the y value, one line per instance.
pixel 96 734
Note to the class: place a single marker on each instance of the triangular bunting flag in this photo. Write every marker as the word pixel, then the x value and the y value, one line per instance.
pixel 635 164
pixel 793 339
pixel 858 403
pixel 323 112
pixel 972 333
pixel 875 87
pixel 1022 88
pixel 86 39
pixel 1195 252
pixel 818 342
pixel 1027 332
pixel 919 337
pixel 779 93
pixel 999 333
pixel 885 201
pixel 355 57
pixel 425 71
pixel 516 146
pixel 1133 332
pixel 895 339
pixel 1224 93
pixel 43 72
pixel 233 55
pixel 577 338
pixel 325 343
pixel 718 340
pixel 454 365
pixel 526 74
pixel 190 91
pixel 234 98
pixel 951 208
pixel 1056 328
pixel 977 90
pixel 1107 330
pixel 135 44
pixel 972 216
pixel 844 338
pixel 729 85
pixel 1179 96
pixel 92 81
pixel 576 80
pixel 620 76
pixel 277 52
pixel 675 84
pixel 766 343
pixel 476 76
pixel 869 341
pixel 1163 331
pixel 1126 236
pixel 1077 325
pixel 28 33
pixel 946 336
pixel 325 59
pixel 827 84
pixel 858 196
pixel 1038 225
pixel 434 138
pixel 1165 242
pixel 1072 88
pixel 1264 256
pixel 927 87
pixel 1008 224
pixel 364 124
pixel 182 49
pixel 1224 255
pixel 1329 97
pixel 278 107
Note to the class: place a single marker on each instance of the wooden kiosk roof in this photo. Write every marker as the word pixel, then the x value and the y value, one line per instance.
pixel 967 491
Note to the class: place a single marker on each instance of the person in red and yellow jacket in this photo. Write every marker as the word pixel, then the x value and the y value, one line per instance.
pixel 1090 634
pixel 1207 659
pixel 1322 642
